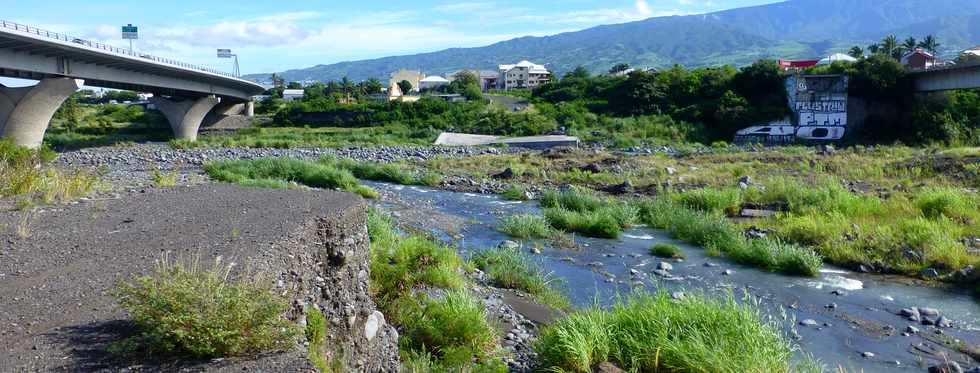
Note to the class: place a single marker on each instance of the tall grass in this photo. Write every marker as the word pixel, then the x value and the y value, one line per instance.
pixel 512 269
pixel 278 172
pixel 650 333
pixel 720 237
pixel 202 311
pixel 525 226
pixel 450 333
pixel 580 210
pixel 384 172
pixel 25 173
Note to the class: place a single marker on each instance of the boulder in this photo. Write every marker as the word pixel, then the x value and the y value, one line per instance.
pixel 946 367
pixel 624 188
pixel 504 175
pixel 929 273
pixel 592 168
pixel 665 266
pixel 511 245
pixel 607 367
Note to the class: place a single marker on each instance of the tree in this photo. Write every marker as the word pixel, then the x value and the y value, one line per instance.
pixel 348 87
pixel 619 68
pixel 69 111
pixel 889 46
pixel 874 48
pixel 856 52
pixel 372 86
pixel 930 44
pixel 578 72
pixel 294 85
pixel 910 44
pixel 405 86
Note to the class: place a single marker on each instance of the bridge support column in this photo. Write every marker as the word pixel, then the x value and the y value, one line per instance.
pixel 185 117
pixel 26 112
pixel 250 109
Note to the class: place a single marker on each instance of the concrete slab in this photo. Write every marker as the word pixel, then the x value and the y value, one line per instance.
pixel 534 142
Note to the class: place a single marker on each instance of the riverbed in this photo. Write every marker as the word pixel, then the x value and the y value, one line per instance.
pixel 852 319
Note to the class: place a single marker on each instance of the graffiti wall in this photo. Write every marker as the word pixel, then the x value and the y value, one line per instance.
pixel 818 100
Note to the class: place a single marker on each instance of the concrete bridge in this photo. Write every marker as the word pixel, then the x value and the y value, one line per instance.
pixel 960 76
pixel 184 93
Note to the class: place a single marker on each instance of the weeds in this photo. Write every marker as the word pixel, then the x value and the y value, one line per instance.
pixel 515 193
pixel 512 269
pixel 667 251
pixel 164 180
pixel 579 210
pixel 201 311
pixel 525 226
pixel 655 333
pixel 23 172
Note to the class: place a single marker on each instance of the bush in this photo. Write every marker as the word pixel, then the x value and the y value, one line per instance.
pixel 203 312
pixel 580 210
pixel 515 193
pixel 711 200
pixel 667 251
pixel 600 224
pixel 649 333
pixel 512 269
pixel 525 226
pixel 23 173
pixel 445 326
pixel 950 203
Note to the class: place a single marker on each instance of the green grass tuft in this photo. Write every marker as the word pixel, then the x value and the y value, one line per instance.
pixel 650 333
pixel 526 226
pixel 279 172
pixel 202 312
pixel 512 269
pixel 667 251
pixel 515 193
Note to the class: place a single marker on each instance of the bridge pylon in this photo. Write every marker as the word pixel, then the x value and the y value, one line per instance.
pixel 26 112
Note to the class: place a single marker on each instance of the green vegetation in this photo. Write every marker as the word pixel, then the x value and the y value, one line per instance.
pixel 76 125
pixel 650 333
pixel 279 172
pixel 719 236
pixel 397 173
pixel 162 179
pixel 512 269
pixel 201 311
pixel 26 174
pixel 515 193
pixel 447 333
pixel 316 336
pixel 298 137
pixel 526 226
pixel 667 251
pixel 580 210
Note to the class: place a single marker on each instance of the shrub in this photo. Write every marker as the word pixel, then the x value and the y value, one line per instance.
pixel 515 193
pixel 454 322
pixel 203 312
pixel 667 251
pixel 950 203
pixel 650 333
pixel 23 173
pixel 711 200
pixel 574 199
pixel 601 224
pixel 316 334
pixel 525 226
pixel 512 269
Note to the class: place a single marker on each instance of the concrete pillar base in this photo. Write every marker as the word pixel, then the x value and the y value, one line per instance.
pixel 185 117
pixel 26 112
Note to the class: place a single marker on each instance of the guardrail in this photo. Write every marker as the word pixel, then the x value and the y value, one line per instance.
pixel 108 48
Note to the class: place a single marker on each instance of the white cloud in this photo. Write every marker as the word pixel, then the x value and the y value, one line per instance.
pixel 643 8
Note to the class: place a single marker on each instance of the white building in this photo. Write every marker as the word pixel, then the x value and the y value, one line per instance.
pixel 433 82
pixel 524 74
pixel 293 94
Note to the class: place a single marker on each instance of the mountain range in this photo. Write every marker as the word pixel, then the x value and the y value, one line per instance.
pixel 790 29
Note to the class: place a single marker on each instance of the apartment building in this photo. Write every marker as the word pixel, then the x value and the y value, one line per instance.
pixel 524 74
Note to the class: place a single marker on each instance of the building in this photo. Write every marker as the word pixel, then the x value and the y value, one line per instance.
pixel 973 51
pixel 293 94
pixel 524 74
pixel 918 59
pixel 412 76
pixel 488 79
pixel 431 82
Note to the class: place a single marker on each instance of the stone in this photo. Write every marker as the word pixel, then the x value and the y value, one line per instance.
pixel 624 188
pixel 710 265
pixel 745 180
pixel 535 251
pixel 506 174
pixel 911 329
pixel 591 167
pixel 677 295
pixel 909 312
pixel 867 354
pixel 809 322
pixel 928 311
pixel 607 367
pixel 662 273
pixel 839 293
pixel 510 245
pixel 926 320
pixel 831 306
pixel 665 266
pixel 929 273
pixel 946 367
pixel 374 323
pixel 943 322
pixel 728 272
pixel 670 170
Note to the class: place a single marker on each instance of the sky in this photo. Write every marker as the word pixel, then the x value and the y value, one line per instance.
pixel 271 36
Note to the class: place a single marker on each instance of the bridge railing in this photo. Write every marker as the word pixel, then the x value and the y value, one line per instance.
pixel 108 48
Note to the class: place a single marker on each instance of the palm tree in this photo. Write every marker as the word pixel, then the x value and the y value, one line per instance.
pixel 874 48
pixel 856 52
pixel 347 86
pixel 930 44
pixel 889 45
pixel 910 44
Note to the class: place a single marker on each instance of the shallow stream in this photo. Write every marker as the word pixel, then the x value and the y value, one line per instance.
pixel 855 313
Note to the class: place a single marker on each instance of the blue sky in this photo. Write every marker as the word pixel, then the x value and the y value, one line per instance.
pixel 278 35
